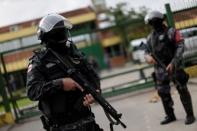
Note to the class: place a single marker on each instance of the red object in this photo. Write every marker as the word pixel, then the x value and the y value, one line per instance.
pixel 178 37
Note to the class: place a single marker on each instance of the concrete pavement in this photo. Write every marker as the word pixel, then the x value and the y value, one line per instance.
pixel 140 115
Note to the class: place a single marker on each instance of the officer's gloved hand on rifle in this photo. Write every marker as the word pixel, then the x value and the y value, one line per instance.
pixel 149 59
pixel 71 85
pixel 170 68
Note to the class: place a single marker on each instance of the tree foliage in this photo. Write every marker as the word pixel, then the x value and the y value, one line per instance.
pixel 123 15
pixel 127 20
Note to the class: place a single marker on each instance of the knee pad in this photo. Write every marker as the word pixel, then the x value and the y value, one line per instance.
pixel 163 89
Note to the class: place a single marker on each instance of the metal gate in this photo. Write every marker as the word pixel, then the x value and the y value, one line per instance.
pixel 13 71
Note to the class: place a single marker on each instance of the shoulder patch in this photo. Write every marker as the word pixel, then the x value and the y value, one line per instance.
pixel 171 33
pixel 29 68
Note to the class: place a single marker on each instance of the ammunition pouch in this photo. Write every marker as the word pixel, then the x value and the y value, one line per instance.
pixel 84 124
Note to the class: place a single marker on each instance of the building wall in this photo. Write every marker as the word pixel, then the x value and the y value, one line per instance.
pixel 185 18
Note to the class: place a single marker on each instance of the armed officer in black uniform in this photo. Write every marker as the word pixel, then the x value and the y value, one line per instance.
pixel 167 45
pixel 62 101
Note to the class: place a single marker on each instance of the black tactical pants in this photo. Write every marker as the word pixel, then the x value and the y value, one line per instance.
pixel 163 87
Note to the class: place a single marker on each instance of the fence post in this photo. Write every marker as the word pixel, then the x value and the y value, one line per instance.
pixel 12 100
pixel 7 118
pixel 169 15
pixel 4 94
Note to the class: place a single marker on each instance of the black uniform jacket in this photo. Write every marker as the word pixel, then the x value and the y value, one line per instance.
pixel 167 45
pixel 44 84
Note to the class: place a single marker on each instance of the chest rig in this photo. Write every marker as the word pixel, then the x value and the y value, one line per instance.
pixel 61 106
pixel 163 45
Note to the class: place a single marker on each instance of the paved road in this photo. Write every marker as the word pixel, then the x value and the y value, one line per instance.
pixel 138 114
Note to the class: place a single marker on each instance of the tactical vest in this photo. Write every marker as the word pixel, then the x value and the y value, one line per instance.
pixel 163 45
pixel 65 107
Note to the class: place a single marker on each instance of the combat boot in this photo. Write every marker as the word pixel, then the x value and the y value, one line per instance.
pixel 190 120
pixel 190 115
pixel 187 104
pixel 168 119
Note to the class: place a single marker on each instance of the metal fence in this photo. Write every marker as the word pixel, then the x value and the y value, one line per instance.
pixel 13 69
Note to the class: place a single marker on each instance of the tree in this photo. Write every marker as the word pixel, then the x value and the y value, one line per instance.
pixel 126 19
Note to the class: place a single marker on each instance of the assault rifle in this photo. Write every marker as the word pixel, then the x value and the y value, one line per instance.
pixel 145 46
pixel 163 66
pixel 70 70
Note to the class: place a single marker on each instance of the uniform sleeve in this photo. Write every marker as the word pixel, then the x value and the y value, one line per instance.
pixel 37 87
pixel 179 44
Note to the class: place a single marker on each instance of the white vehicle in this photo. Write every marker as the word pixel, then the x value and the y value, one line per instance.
pixel 137 53
pixel 190 38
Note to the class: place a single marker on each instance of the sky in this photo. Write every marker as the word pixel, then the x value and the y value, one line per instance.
pixel 16 11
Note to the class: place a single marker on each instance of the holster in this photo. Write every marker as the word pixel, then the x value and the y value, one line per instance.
pixel 85 124
pixel 81 125
pixel 182 77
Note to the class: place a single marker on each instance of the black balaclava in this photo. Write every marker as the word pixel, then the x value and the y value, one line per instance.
pixel 57 39
pixel 157 24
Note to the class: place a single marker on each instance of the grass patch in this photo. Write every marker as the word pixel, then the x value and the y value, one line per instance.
pixel 20 103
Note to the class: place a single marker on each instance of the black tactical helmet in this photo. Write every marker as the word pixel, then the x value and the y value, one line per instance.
pixel 53 28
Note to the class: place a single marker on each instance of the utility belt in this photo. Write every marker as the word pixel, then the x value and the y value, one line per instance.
pixel 179 75
pixel 80 125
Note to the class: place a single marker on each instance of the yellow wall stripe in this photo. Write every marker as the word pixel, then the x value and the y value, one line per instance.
pixel 32 30
pixel 17 34
pixel 82 18
pixel 186 23
pixel 16 65
pixel 111 41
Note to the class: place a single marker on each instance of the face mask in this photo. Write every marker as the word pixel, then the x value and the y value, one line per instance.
pixel 57 39
pixel 58 35
pixel 157 24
